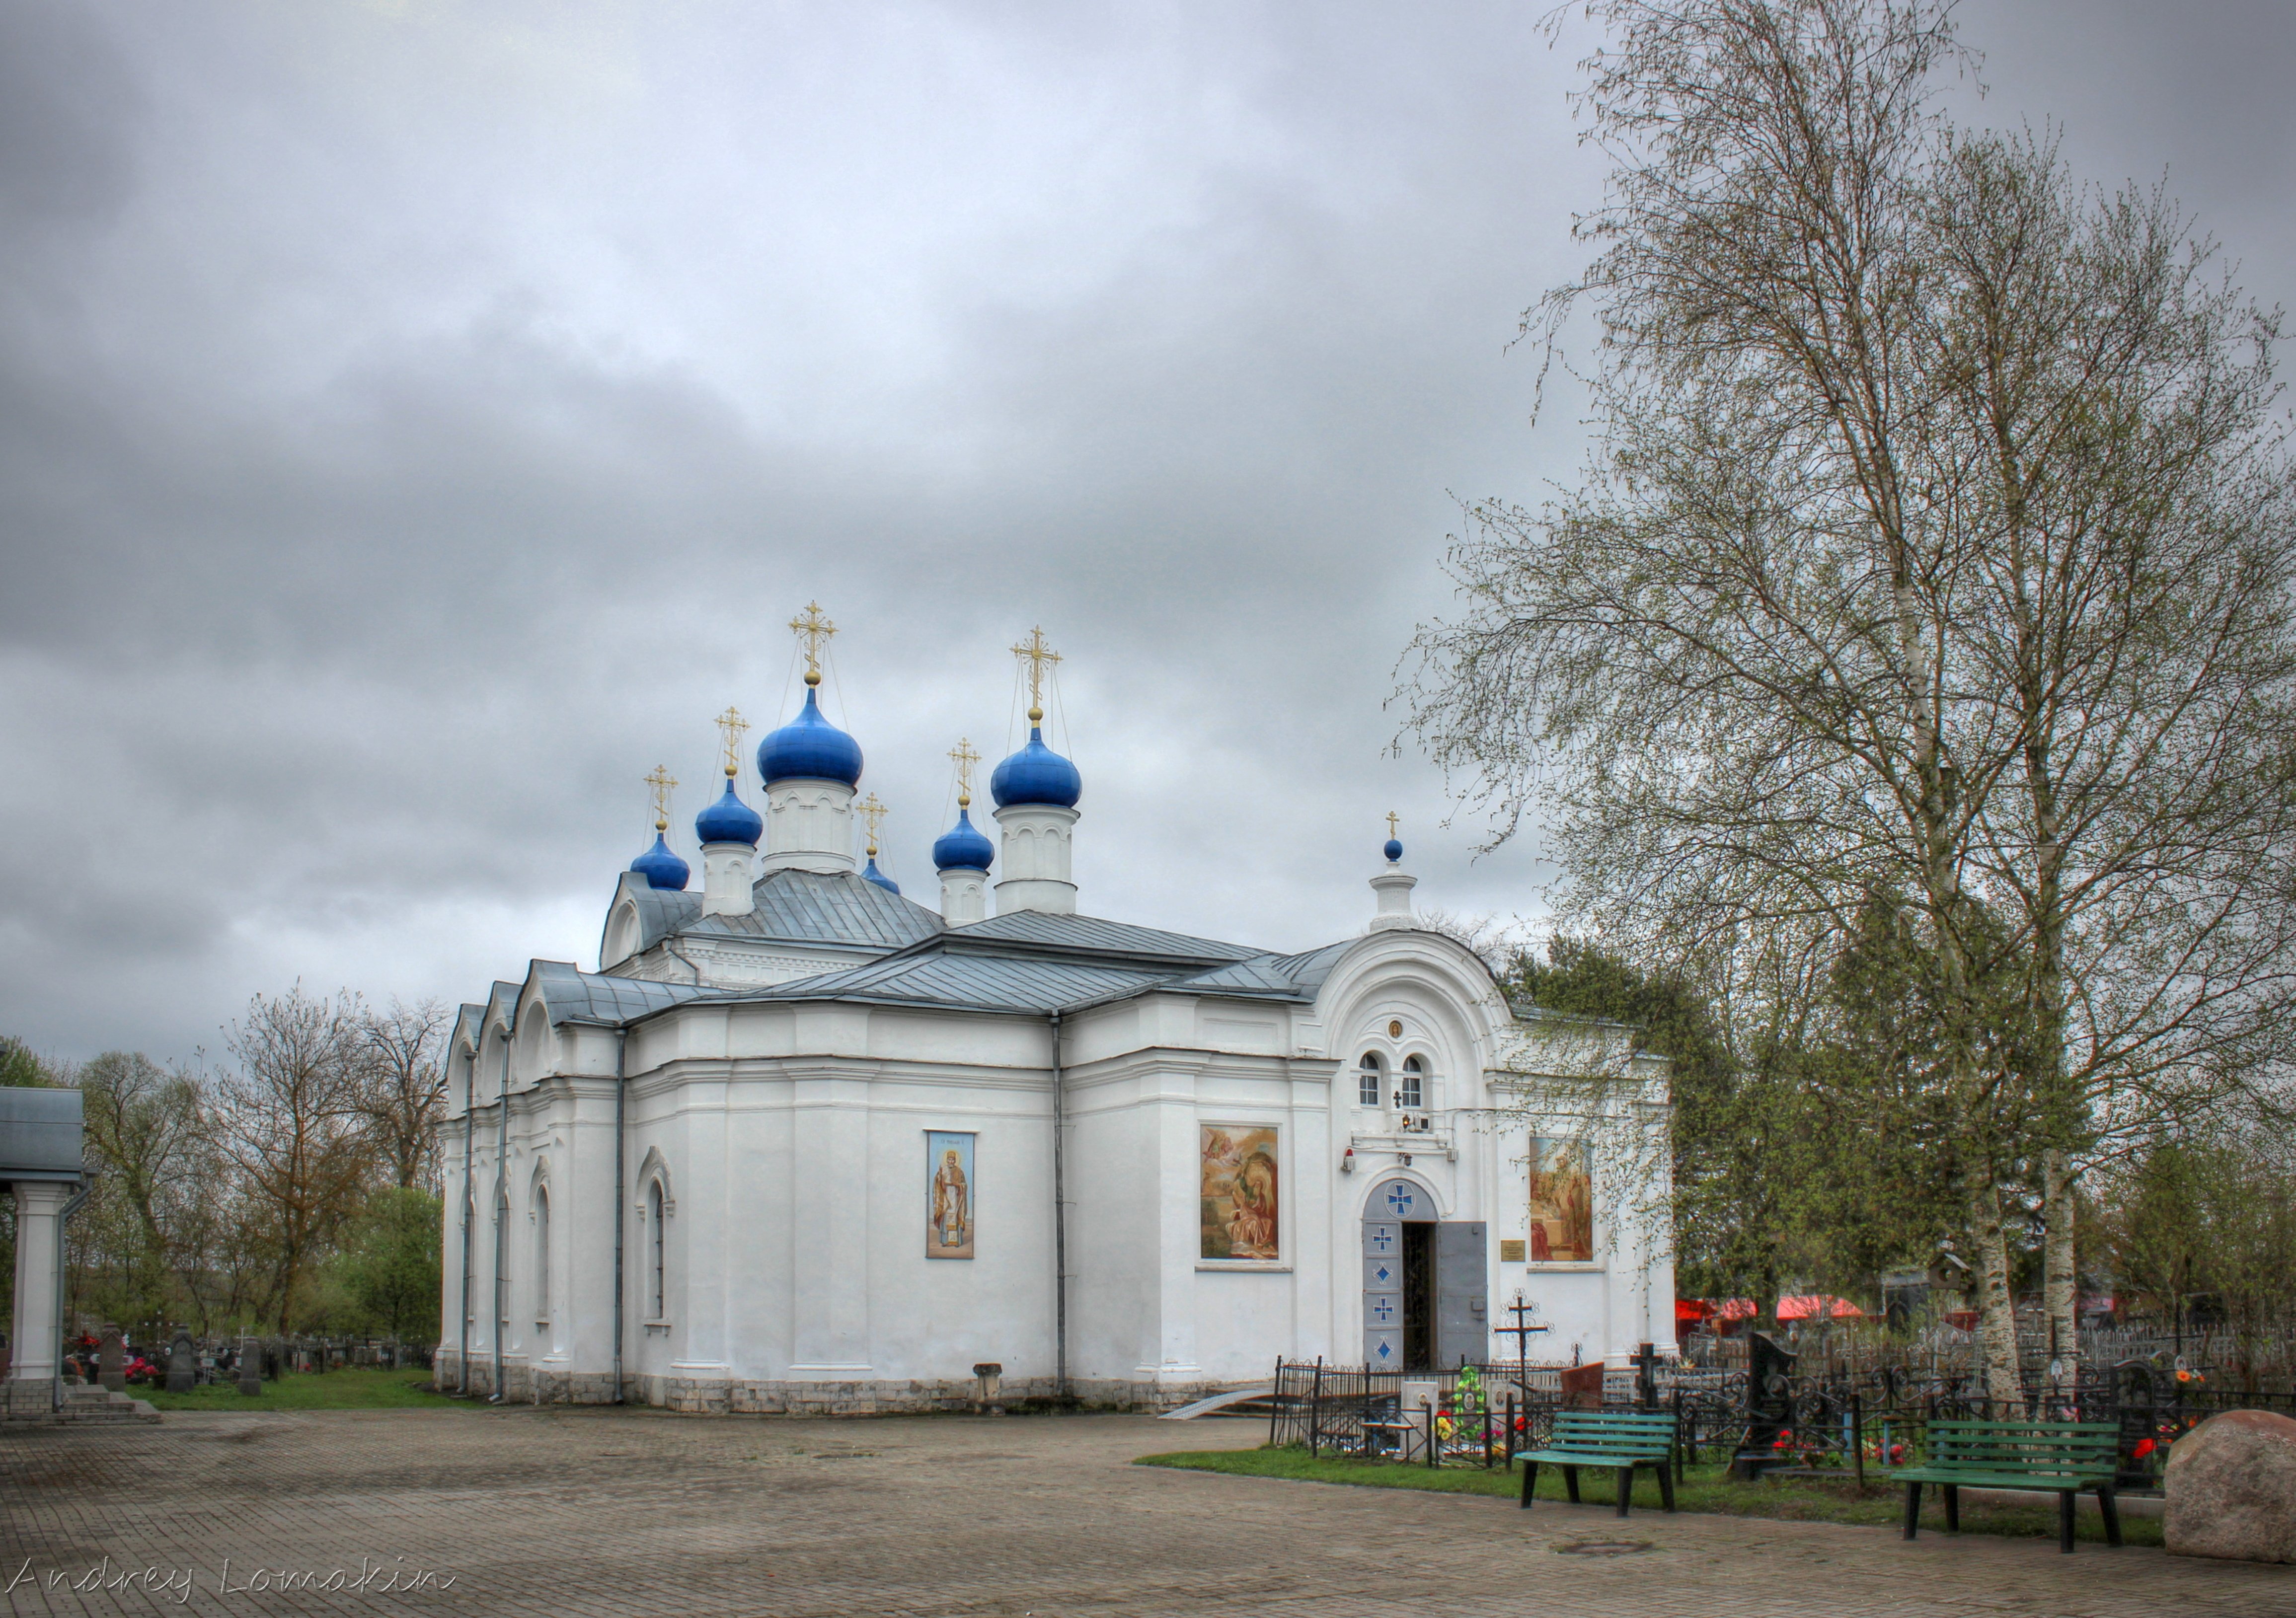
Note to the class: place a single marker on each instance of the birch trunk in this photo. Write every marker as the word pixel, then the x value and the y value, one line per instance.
pixel 1997 1312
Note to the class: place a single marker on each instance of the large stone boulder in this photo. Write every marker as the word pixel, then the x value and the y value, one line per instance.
pixel 2232 1489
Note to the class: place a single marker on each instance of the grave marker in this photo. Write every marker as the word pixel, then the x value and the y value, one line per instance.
pixel 111 1361
pixel 183 1364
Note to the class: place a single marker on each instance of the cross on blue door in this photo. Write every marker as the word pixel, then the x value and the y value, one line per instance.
pixel 1384 1309
pixel 1400 1200
pixel 1382 1240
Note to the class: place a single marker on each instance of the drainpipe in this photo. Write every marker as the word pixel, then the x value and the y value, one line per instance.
pixel 56 1381
pixel 502 1214
pixel 1060 1222
pixel 470 1205
pixel 621 1212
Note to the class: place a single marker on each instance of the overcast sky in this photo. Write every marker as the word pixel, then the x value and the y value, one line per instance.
pixel 418 420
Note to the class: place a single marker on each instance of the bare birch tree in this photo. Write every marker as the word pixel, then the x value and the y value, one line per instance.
pixel 1934 548
pixel 402 1088
pixel 288 1117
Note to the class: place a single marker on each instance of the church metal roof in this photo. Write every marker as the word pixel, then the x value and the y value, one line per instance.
pixel 970 982
pixel 843 909
pixel 1093 935
pixel 571 995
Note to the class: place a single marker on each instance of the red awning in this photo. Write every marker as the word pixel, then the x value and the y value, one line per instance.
pixel 1811 1306
pixel 1738 1309
pixel 1693 1309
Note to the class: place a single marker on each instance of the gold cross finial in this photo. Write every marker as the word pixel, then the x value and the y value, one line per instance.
pixel 1039 658
pixel 1391 819
pixel 966 757
pixel 662 781
pixel 730 725
pixel 875 813
pixel 812 628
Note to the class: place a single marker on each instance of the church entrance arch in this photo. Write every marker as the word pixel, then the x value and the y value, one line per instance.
pixel 1425 1285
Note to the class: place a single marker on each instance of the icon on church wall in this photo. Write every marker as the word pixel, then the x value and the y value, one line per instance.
pixel 948 1194
pixel 1561 1203
pixel 1238 1193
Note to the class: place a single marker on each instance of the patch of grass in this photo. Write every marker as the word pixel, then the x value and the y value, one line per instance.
pixel 1705 1488
pixel 358 1389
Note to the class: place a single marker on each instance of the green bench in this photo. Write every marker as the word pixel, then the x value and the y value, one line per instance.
pixel 1620 1440
pixel 2059 1458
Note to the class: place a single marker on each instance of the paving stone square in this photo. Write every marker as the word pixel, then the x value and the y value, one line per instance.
pixel 564 1511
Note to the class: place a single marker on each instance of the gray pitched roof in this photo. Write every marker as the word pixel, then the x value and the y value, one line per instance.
pixel 1093 935
pixel 1270 976
pixel 970 981
pixel 570 995
pixel 845 909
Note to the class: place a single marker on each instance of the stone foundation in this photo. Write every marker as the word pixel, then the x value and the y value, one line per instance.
pixel 722 1396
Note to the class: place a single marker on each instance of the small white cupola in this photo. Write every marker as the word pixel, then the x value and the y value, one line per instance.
pixel 1035 791
pixel 961 855
pixel 811 770
pixel 1393 886
pixel 729 831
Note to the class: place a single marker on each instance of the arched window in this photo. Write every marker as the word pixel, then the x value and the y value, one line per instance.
pixel 1413 1091
pixel 1368 1087
pixel 541 1255
pixel 653 1211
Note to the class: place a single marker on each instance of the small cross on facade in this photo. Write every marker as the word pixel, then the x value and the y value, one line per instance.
pixel 1400 1200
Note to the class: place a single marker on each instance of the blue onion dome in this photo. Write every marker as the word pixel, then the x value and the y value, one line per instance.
pixel 962 846
pixel 810 748
pixel 1035 774
pixel 874 875
pixel 1393 851
pixel 729 819
pixel 661 868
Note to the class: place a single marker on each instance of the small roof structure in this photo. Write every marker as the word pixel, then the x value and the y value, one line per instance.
pixel 1812 1306
pixel 40 1133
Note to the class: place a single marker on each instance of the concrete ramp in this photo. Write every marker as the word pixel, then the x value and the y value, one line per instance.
pixel 1224 1404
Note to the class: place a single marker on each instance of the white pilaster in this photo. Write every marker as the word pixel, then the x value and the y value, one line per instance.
pixel 1035 859
pixel 809 826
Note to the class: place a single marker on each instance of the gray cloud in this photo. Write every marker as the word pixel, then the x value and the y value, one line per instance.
pixel 416 422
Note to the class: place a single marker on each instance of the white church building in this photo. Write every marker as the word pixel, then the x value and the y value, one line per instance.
pixel 803 1144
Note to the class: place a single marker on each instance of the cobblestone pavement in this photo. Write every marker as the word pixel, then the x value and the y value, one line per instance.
pixel 569 1512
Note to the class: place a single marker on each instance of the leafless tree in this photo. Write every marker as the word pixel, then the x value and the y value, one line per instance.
pixel 288 1118
pixel 1935 548
pixel 402 1088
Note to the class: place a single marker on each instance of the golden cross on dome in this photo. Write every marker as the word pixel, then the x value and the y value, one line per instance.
pixel 1391 819
pixel 1039 657
pixel 812 628
pixel 662 781
pixel 730 725
pixel 875 813
pixel 965 756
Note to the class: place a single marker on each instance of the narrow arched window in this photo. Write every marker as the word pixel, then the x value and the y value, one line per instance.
pixel 653 1211
pixel 541 1257
pixel 1367 1081
pixel 1413 1091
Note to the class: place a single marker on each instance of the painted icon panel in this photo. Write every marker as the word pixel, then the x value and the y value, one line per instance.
pixel 949 1193
pixel 1561 1203
pixel 1240 1203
